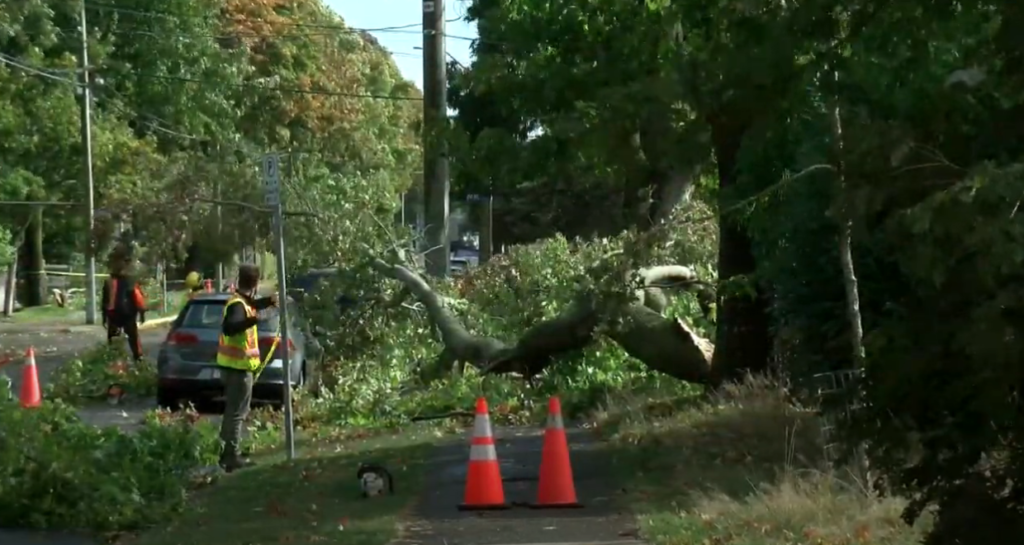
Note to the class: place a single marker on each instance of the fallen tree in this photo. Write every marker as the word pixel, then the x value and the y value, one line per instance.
pixel 637 324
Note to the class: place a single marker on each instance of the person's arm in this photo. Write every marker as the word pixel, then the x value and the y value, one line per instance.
pixel 264 303
pixel 140 303
pixel 104 297
pixel 235 320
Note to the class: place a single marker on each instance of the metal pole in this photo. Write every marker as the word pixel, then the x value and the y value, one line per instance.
pixel 86 121
pixel 163 286
pixel 282 295
pixel 220 237
pixel 487 230
pixel 435 159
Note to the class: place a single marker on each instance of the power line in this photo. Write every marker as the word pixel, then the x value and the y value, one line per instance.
pixel 13 61
pixel 319 92
pixel 335 27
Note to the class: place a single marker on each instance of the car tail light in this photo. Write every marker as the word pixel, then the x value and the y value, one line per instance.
pixel 267 342
pixel 178 338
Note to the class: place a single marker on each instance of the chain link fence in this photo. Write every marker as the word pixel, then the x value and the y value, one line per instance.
pixel 838 397
pixel 67 288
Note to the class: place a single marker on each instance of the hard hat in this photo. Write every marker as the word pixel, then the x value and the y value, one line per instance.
pixel 192 280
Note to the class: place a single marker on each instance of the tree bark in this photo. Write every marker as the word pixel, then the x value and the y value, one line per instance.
pixel 11 285
pixel 743 342
pixel 663 344
pixel 35 279
pixel 853 315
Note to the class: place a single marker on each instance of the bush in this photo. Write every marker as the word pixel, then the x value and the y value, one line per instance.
pixel 93 375
pixel 58 472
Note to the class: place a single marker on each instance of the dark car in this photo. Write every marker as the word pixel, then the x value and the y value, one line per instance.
pixel 312 281
pixel 187 361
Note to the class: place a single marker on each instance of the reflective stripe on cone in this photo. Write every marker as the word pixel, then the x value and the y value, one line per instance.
pixel 484 489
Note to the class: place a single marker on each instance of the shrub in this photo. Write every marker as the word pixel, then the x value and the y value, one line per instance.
pixel 58 472
pixel 92 375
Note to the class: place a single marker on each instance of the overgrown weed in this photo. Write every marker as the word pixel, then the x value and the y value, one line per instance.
pixel 745 465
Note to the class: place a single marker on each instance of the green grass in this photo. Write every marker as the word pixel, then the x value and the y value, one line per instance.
pixel 746 468
pixel 313 499
pixel 74 313
pixel 45 313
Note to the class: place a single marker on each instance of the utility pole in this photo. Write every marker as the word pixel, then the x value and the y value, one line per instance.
pixel 435 149
pixel 86 121
pixel 487 229
pixel 219 278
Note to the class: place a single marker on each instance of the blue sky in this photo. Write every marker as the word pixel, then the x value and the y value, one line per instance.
pixel 403 43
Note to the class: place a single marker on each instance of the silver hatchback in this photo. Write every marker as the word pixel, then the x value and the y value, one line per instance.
pixel 187 360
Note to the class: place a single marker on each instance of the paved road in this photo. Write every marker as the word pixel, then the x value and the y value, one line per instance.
pixel 56 345
pixel 603 520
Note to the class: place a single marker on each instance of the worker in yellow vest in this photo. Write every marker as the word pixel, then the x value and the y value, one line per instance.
pixel 238 356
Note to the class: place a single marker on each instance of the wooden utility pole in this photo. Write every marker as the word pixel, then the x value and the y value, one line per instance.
pixel 86 128
pixel 435 149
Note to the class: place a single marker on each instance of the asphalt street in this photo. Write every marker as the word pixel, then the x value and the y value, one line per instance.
pixel 56 345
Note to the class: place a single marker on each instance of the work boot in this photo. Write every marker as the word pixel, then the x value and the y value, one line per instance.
pixel 232 463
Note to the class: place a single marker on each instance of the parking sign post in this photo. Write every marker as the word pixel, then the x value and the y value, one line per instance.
pixel 272 197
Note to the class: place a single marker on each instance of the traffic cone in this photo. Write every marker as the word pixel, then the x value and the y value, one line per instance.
pixel 30 393
pixel 555 487
pixel 484 490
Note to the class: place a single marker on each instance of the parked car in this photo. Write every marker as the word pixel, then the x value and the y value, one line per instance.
pixel 187 360
pixel 311 281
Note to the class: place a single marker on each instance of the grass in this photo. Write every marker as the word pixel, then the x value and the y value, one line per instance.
pixel 744 468
pixel 314 499
pixel 75 311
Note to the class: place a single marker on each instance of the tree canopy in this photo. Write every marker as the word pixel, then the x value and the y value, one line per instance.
pixel 833 186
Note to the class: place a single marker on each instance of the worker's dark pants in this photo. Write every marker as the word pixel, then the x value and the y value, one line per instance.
pixel 237 398
pixel 130 326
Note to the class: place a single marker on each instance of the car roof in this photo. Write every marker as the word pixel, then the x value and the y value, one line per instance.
pixel 218 297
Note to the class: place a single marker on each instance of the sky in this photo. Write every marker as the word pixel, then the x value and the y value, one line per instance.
pixel 404 43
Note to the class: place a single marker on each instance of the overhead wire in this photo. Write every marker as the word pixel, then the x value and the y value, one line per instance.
pixel 18 63
pixel 398 29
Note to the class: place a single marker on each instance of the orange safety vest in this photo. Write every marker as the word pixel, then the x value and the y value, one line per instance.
pixel 240 351
pixel 137 296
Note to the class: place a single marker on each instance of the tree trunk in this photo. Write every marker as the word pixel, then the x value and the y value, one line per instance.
pixel 846 240
pixel 35 279
pixel 11 285
pixel 743 342
pixel 663 344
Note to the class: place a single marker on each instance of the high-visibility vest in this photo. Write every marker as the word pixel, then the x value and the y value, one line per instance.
pixel 240 351
pixel 136 294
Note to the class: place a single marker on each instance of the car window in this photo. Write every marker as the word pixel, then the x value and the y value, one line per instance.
pixel 203 315
pixel 269 319
pixel 210 315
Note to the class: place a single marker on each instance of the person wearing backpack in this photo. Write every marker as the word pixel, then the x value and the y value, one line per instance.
pixel 124 309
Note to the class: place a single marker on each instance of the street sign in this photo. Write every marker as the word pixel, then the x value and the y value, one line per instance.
pixel 271 170
pixel 272 180
pixel 272 196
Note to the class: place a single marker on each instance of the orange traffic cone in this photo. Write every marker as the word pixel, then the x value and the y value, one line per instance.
pixel 30 393
pixel 555 487
pixel 483 480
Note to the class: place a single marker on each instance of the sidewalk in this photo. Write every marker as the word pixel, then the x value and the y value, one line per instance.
pixel 602 521
pixel 8 327
pixel 41 537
